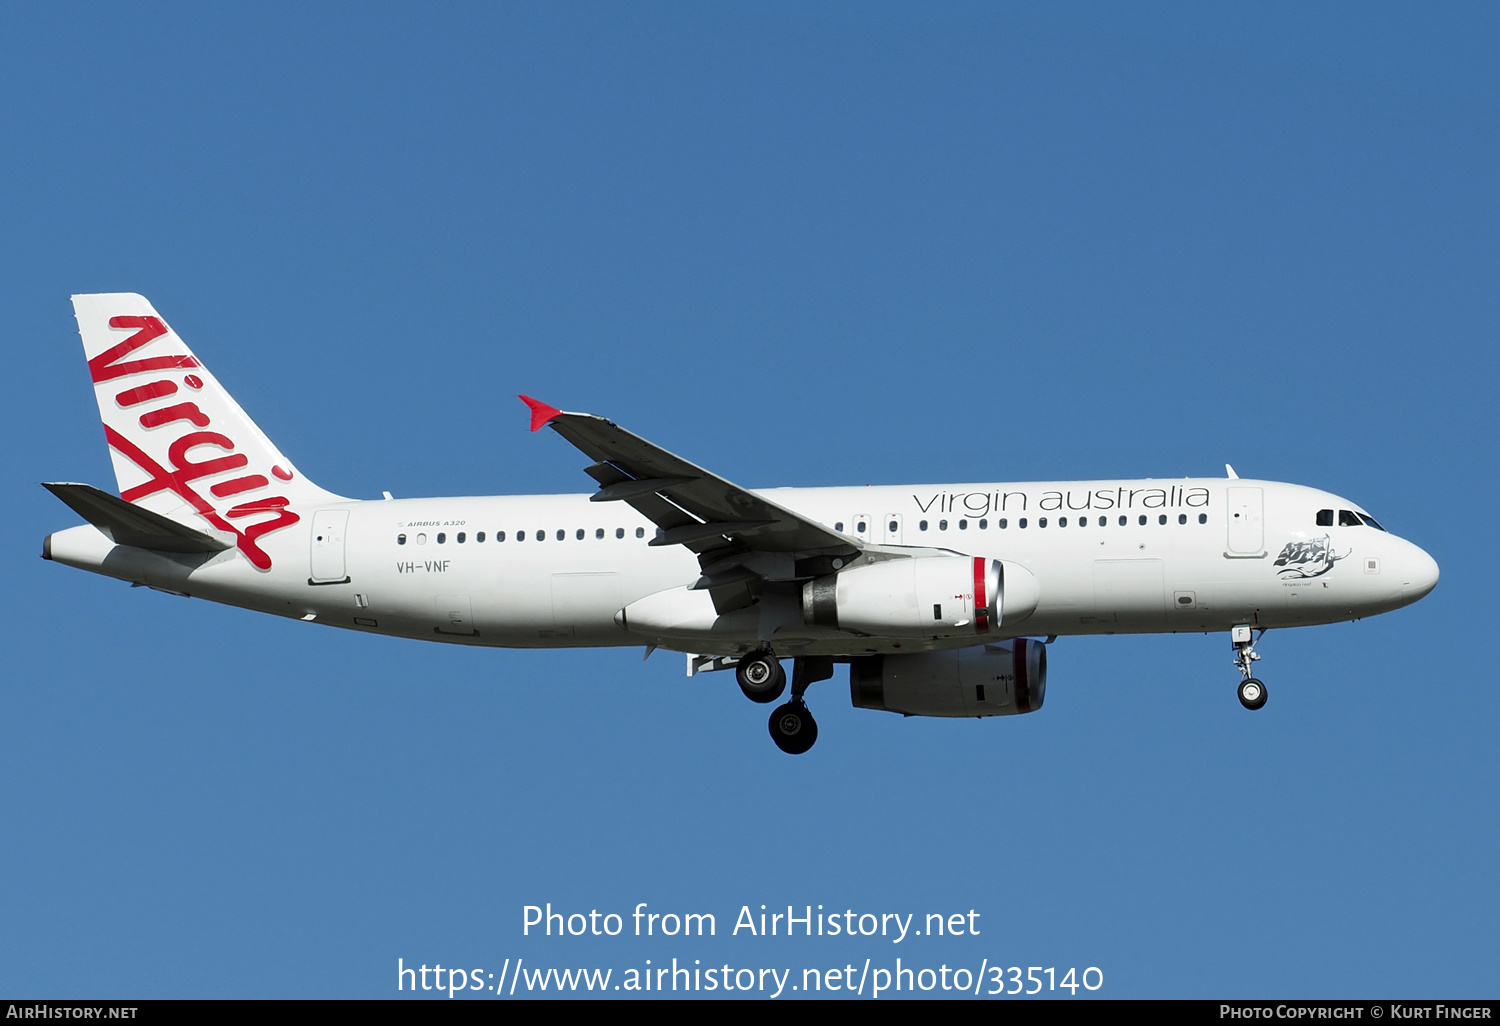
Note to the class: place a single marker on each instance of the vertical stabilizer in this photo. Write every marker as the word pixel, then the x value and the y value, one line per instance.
pixel 181 445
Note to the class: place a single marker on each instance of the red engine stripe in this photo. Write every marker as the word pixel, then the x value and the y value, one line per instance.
pixel 981 599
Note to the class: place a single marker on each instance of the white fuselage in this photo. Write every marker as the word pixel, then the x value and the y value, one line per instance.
pixel 926 592
pixel 1109 557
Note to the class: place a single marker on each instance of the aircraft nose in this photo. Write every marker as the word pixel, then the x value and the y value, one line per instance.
pixel 1419 574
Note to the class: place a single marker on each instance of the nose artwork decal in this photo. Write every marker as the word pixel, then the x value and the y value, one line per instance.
pixel 1311 558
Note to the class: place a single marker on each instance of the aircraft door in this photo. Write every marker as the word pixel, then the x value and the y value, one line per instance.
pixel 327 560
pixel 1246 526
pixel 892 525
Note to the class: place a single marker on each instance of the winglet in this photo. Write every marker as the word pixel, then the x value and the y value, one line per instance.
pixel 541 413
pixel 1228 470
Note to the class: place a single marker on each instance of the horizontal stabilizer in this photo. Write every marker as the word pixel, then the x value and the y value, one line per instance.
pixel 127 524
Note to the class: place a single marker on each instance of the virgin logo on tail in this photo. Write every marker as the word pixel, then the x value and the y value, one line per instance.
pixel 112 364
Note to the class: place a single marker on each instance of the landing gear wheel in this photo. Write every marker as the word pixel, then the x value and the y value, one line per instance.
pixel 793 728
pixel 761 677
pixel 1252 693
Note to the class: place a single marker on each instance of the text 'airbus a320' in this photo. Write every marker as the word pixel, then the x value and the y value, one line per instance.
pixel 933 595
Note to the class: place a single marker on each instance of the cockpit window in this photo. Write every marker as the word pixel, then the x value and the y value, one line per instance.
pixel 1325 518
pixel 1348 518
pixel 1370 522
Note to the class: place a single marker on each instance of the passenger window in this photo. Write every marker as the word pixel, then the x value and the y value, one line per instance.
pixel 599 533
pixel 1041 522
pixel 640 532
pixel 942 525
pixel 1061 522
pixel 963 525
pixel 499 536
pixel 860 527
pixel 891 527
pixel 1162 519
pixel 520 536
pixel 1202 518
pixel 1103 521
pixel 539 535
pixel 1348 519
pixel 1143 520
pixel 1325 518
pixel 580 534
pixel 838 525
pixel 441 537
pixel 1002 523
pixel 421 539
pixel 1123 521
pixel 479 537
pixel 1182 518
pixel 922 526
pixel 1021 523
pixel 983 525
pixel 619 532
pixel 400 539
pixel 462 537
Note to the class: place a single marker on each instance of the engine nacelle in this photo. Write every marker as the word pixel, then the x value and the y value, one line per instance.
pixel 923 597
pixel 986 680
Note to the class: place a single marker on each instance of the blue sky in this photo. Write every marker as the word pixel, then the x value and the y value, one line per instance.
pixel 852 244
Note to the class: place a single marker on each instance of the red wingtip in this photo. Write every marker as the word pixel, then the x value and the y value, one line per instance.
pixel 541 413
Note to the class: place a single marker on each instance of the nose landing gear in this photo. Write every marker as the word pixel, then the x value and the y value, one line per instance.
pixel 1252 693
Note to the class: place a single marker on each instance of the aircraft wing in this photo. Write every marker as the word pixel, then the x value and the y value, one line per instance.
pixel 730 528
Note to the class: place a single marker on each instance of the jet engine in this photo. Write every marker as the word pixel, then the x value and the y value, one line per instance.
pixel 925 597
pixel 986 680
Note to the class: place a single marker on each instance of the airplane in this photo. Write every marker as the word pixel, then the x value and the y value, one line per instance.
pixel 941 599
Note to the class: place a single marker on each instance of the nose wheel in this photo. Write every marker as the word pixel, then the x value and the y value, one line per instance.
pixel 1252 692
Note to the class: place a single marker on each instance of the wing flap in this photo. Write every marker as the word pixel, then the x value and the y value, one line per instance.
pixel 692 506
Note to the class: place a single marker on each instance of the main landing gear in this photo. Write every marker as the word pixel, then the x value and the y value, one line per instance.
pixel 793 728
pixel 760 676
pixel 762 679
pixel 1252 692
